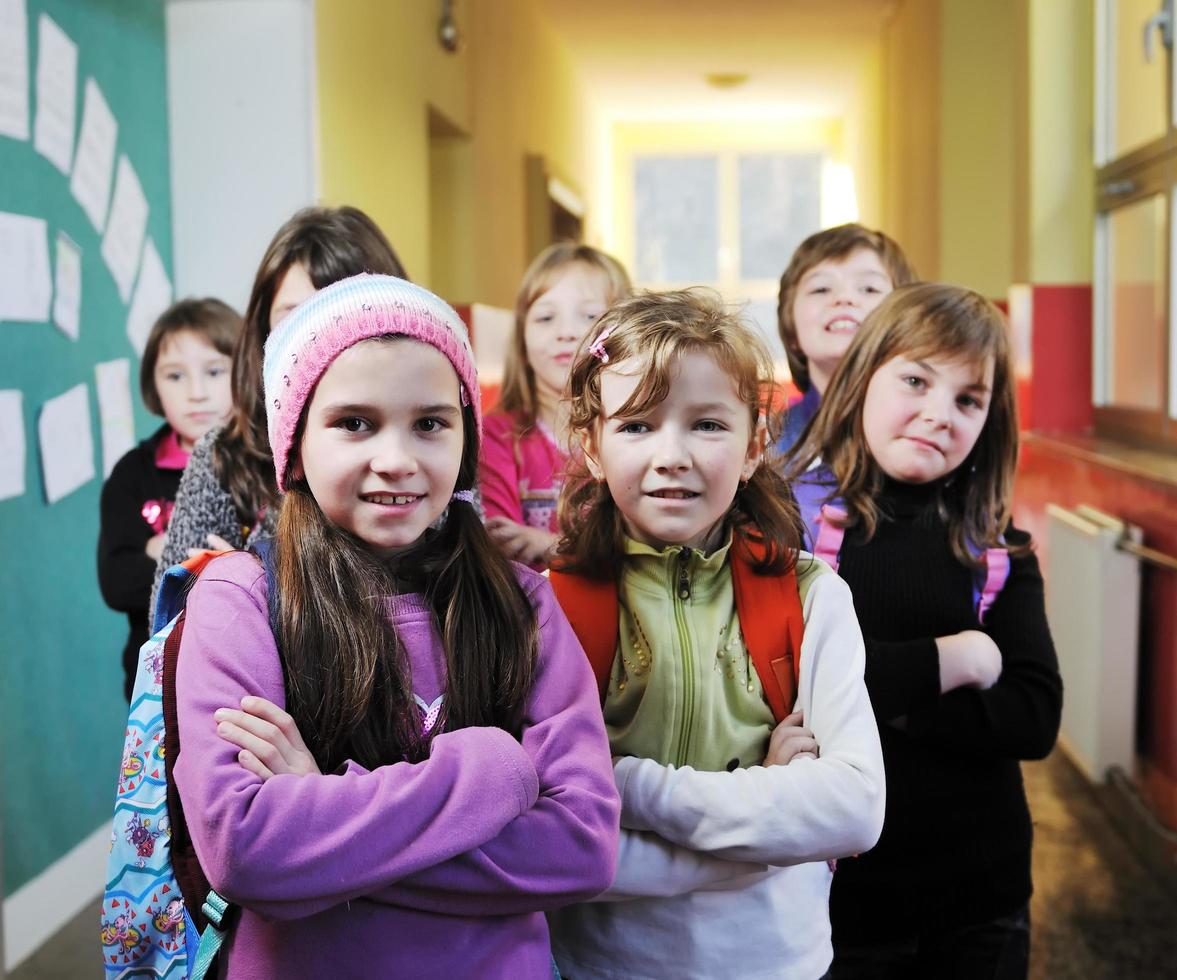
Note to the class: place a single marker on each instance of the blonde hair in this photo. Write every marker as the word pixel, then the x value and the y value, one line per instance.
pixel 518 394
pixel 832 243
pixel 658 329
pixel 920 321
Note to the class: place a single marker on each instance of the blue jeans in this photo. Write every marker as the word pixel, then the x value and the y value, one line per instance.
pixel 995 950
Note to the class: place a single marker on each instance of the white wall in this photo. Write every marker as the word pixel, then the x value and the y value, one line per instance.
pixel 243 134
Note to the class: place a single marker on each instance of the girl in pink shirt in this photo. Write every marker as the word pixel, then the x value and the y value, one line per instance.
pixel 563 293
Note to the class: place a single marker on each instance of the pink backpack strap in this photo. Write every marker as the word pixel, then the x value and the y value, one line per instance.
pixel 828 544
pixel 996 572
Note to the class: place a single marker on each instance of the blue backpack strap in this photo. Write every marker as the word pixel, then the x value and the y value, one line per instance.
pixel 216 910
pixel 268 555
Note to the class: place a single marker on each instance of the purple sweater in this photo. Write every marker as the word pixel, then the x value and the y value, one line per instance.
pixel 437 869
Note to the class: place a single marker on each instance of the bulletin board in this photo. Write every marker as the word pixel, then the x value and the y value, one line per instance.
pixel 85 267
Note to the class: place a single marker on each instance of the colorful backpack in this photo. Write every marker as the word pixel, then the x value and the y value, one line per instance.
pixel 825 520
pixel 160 918
pixel 769 607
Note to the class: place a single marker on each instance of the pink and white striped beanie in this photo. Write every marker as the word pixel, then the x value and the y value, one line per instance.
pixel 303 345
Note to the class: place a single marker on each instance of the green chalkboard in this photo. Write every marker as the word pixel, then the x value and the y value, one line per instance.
pixel 61 706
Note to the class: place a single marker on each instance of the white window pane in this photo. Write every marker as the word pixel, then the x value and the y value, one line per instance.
pixel 761 313
pixel 676 205
pixel 1136 304
pixel 780 204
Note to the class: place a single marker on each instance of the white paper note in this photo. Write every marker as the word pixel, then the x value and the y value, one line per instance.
pixel 113 379
pixel 25 286
pixel 67 446
pixel 12 445
pixel 57 84
pixel 94 162
pixel 14 69
pixel 67 293
pixel 125 229
pixel 153 295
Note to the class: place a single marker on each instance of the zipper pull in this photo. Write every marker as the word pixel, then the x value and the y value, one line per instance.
pixel 684 581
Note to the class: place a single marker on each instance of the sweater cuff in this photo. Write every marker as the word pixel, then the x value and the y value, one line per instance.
pixel 902 676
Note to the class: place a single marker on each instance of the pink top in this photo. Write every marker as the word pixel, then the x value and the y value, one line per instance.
pixel 169 454
pixel 521 474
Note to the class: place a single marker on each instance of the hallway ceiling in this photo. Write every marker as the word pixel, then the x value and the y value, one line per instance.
pixel 645 59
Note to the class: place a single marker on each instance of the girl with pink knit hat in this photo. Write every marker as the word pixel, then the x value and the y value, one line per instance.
pixel 393 757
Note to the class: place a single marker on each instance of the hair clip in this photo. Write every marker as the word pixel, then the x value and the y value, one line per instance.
pixel 466 495
pixel 597 347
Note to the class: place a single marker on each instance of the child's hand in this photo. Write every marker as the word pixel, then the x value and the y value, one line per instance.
pixel 791 740
pixel 968 659
pixel 154 547
pixel 217 543
pixel 269 740
pixel 529 545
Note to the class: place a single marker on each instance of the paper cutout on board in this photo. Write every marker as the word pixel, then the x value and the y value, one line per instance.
pixel 125 228
pixel 153 295
pixel 67 446
pixel 57 87
pixel 94 162
pixel 67 292
pixel 116 417
pixel 14 69
pixel 25 287
pixel 12 445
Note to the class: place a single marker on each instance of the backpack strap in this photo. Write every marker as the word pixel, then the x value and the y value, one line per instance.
pixel 996 573
pixel 830 531
pixel 592 608
pixel 772 621
pixel 769 608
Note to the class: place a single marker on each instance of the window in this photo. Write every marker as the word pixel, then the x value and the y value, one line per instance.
pixel 1135 363
pixel 730 220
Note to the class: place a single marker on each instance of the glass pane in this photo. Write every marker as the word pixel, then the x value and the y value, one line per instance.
pixel 676 205
pixel 1137 87
pixel 761 313
pixel 780 204
pixel 1136 304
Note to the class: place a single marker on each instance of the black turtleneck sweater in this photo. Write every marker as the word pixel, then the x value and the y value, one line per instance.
pixel 955 847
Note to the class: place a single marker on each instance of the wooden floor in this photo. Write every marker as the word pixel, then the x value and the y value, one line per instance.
pixel 1097 911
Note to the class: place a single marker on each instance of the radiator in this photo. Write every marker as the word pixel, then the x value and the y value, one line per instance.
pixel 1093 604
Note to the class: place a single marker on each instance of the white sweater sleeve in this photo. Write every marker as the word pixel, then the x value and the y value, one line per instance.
pixel 649 866
pixel 809 810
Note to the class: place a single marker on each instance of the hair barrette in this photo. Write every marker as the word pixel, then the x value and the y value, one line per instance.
pixel 597 347
pixel 466 495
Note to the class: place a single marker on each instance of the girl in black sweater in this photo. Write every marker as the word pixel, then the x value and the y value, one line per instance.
pixel 913 452
pixel 183 376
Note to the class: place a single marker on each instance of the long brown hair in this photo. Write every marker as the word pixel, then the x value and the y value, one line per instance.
pixel 518 394
pixel 832 243
pixel 347 675
pixel 658 329
pixel 331 244
pixel 920 321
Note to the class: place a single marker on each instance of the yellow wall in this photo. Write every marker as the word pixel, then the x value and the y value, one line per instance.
pixel 379 67
pixel 1062 56
pixel 910 98
pixel 979 117
pixel 451 201
pixel 526 98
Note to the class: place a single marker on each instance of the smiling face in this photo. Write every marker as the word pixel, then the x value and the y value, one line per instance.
pixel 921 418
pixel 832 299
pixel 557 320
pixel 193 381
pixel 673 470
pixel 382 443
